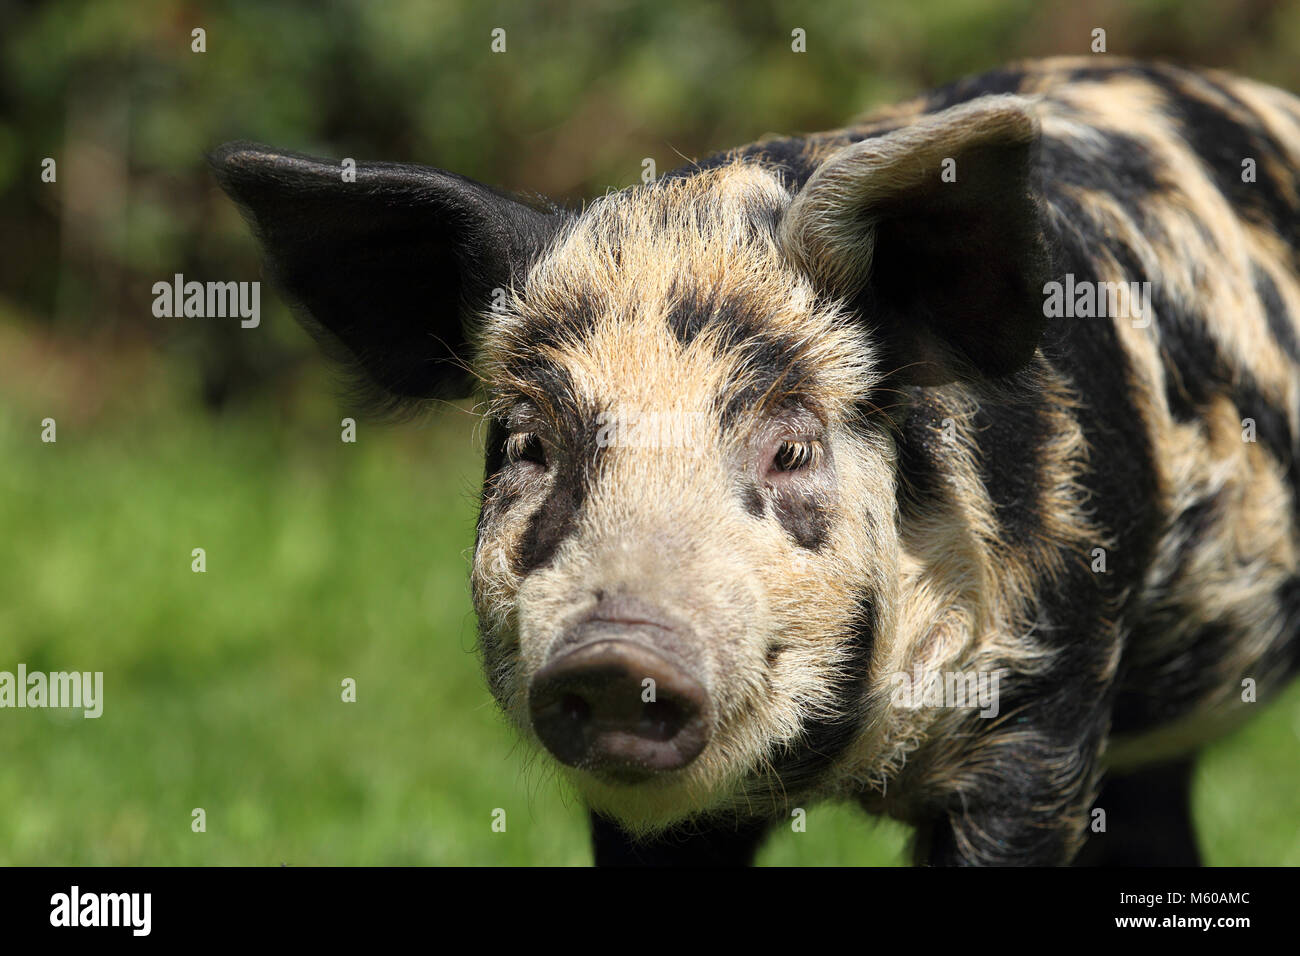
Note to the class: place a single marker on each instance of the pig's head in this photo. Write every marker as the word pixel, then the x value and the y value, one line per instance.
pixel 688 555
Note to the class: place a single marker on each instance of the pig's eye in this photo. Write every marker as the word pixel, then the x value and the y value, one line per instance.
pixel 525 447
pixel 796 455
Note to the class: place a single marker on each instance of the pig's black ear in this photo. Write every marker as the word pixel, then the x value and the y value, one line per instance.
pixel 389 271
pixel 934 232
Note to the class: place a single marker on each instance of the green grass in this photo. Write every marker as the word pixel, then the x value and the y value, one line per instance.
pixel 327 561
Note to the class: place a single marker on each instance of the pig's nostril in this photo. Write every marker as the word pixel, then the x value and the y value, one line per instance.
pixel 587 708
pixel 575 708
pixel 660 720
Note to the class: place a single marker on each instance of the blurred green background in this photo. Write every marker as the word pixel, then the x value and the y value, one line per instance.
pixel 328 560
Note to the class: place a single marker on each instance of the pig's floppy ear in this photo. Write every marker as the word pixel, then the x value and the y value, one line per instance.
pixel 389 270
pixel 947 269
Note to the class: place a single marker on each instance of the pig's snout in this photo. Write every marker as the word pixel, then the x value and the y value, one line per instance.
pixel 617 701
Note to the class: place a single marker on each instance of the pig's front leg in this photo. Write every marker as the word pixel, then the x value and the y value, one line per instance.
pixel 707 843
pixel 1020 804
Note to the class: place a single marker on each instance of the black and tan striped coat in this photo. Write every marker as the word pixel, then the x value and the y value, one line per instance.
pixel 1101 510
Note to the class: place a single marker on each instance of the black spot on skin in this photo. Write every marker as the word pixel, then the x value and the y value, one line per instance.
pixel 1272 430
pixel 493 500
pixel 694 310
pixel 826 739
pixel 494 457
pixel 771 363
pixel 744 329
pixel 755 503
pixel 568 328
pixel 1129 168
pixel 573 473
pixel 1195 522
pixel 859 135
pixel 1119 471
pixel 920 458
pixel 774 652
pixel 1280 322
pixel 1188 357
pixel 550 525
pixel 773 370
pixel 972 87
pixel 548 384
pixel 1131 269
pixel 1134 175
pixel 1010 437
pixel 788 157
pixel 805 521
